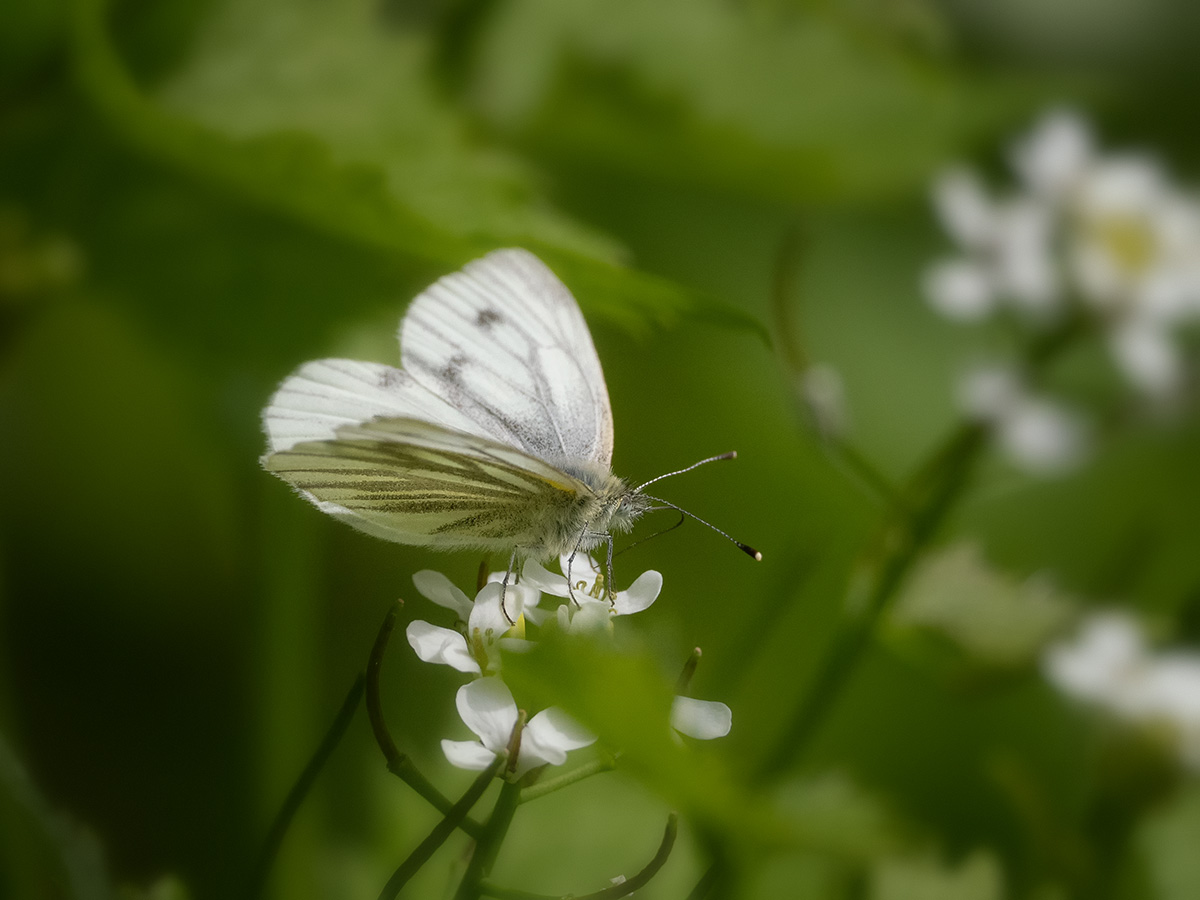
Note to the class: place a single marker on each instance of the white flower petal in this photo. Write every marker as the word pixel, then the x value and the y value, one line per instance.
pixel 960 289
pixel 639 595
pixel 438 588
pixel 488 619
pixel 537 615
pixel 824 393
pixel 1171 689
pixel 589 617
pixel 702 719
pixel 989 392
pixel 550 735
pixel 539 577
pixel 1041 437
pixel 519 595
pixel 1126 186
pixel 516 645
pixel 1025 269
pixel 468 754
pixel 963 206
pixel 434 644
pixel 582 569
pixel 1147 356
pixel 487 707
pixel 1099 661
pixel 1055 156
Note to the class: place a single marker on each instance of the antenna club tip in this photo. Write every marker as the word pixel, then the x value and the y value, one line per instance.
pixel 750 551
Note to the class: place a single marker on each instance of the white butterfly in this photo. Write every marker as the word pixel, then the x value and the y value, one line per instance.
pixel 495 435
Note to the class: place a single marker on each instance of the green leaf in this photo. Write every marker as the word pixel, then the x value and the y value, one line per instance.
pixel 626 701
pixel 790 107
pixel 834 813
pixel 978 877
pixel 1166 843
pixel 75 861
pixel 108 454
pixel 317 112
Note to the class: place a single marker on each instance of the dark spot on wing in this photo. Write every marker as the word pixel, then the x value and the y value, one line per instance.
pixel 391 378
pixel 487 318
pixel 452 370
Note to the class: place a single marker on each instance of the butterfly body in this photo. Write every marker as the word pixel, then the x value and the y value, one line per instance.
pixel 494 435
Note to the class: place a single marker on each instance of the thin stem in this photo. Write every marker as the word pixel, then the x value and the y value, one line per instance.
pixel 932 492
pixel 707 882
pixel 446 827
pixel 902 542
pixel 797 360
pixel 398 763
pixel 689 670
pixel 579 773
pixel 612 892
pixel 487 847
pixel 295 797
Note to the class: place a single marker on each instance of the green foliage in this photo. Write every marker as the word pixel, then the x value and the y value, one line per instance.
pixel 994 619
pixel 198 196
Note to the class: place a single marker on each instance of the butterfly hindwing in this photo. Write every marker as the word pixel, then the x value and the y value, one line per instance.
pixel 413 482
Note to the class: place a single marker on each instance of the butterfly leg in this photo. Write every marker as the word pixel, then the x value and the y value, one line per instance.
pixel 612 588
pixel 570 562
pixel 512 564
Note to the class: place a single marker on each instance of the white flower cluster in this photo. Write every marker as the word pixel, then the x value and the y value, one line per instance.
pixel 1035 432
pixel 1109 665
pixel 498 617
pixel 1106 236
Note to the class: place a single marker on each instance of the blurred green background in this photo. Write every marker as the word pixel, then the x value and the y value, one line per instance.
pixel 197 196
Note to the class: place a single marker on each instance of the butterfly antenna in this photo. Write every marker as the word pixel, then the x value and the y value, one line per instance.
pixel 745 548
pixel 732 454
pixel 658 533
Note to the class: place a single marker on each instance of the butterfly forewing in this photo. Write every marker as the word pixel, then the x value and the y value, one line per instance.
pixel 413 482
pixel 327 394
pixel 505 343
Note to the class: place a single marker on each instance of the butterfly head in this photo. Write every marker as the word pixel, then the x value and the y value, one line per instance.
pixel 627 507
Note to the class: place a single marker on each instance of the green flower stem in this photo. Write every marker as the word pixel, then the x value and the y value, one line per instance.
pixel 446 827
pixel 708 881
pixel 912 523
pixel 873 587
pixel 579 773
pixel 300 789
pixel 790 342
pixel 487 847
pixel 612 892
pixel 397 763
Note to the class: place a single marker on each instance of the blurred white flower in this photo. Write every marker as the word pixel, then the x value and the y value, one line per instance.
pixel 824 396
pixel 487 707
pixel 1036 434
pixel 475 649
pixel 1109 231
pixel 1007 252
pixel 1109 665
pixel 1050 158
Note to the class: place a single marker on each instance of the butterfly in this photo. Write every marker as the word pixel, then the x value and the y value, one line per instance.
pixel 495 434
